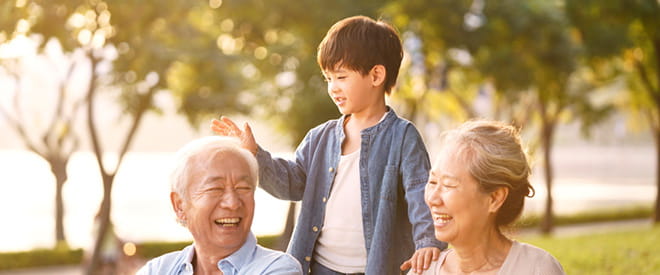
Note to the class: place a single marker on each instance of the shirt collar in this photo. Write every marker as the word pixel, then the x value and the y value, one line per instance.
pixel 187 255
pixel 384 122
pixel 236 260
pixel 241 257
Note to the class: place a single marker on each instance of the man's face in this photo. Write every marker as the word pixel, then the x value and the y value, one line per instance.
pixel 219 205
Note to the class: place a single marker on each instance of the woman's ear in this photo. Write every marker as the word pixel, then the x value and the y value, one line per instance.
pixel 497 198
pixel 377 75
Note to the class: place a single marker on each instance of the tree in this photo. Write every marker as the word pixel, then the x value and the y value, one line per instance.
pixel 524 49
pixel 141 59
pixel 261 62
pixel 58 140
pixel 625 40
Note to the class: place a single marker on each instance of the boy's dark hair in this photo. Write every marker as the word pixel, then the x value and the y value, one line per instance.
pixel 359 43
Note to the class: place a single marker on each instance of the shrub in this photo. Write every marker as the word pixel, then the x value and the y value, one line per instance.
pixel 40 257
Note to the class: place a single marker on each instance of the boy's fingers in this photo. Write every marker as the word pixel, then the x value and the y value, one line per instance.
pixel 427 260
pixel 231 125
pixel 405 265
pixel 248 129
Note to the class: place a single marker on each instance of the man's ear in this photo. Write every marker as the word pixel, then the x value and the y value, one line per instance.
pixel 497 198
pixel 177 205
pixel 377 75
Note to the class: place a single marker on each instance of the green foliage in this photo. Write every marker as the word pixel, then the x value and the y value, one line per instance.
pixel 40 257
pixel 630 252
pixel 592 216
pixel 150 250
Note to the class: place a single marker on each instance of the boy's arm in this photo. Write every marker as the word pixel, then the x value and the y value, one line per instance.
pixel 281 178
pixel 415 167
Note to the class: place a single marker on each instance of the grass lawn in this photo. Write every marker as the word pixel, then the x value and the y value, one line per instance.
pixel 625 252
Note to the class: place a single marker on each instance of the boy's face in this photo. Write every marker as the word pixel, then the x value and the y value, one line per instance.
pixel 352 92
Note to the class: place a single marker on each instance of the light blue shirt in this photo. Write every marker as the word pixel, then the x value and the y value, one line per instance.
pixel 250 259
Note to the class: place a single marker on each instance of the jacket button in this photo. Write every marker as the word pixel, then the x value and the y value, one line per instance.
pixel 325 199
pixel 315 229
pixel 331 169
pixel 308 258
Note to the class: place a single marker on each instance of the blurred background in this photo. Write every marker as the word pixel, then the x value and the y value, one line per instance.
pixel 96 96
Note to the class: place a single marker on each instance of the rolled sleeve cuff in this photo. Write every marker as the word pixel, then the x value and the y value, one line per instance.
pixel 430 242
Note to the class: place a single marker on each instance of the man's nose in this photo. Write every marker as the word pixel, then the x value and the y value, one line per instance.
pixel 230 200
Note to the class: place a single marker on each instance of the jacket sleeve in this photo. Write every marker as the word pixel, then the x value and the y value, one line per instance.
pixel 284 179
pixel 415 167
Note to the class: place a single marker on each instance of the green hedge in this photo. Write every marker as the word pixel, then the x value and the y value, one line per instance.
pixel 148 250
pixel 40 257
pixel 603 215
pixel 154 249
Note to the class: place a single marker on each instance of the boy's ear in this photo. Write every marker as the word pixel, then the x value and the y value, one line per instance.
pixel 377 75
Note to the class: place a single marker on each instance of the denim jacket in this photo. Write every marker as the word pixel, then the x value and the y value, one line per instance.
pixel 394 167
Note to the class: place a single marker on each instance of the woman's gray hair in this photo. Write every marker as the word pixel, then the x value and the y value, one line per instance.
pixel 219 144
pixel 495 158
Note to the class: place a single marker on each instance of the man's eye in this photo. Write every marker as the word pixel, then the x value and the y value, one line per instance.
pixel 215 190
pixel 341 77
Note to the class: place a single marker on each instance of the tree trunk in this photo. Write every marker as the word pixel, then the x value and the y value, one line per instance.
pixel 656 134
pixel 58 167
pixel 547 132
pixel 283 240
pixel 104 223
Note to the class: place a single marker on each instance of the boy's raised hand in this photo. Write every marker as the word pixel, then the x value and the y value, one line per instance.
pixel 421 259
pixel 226 127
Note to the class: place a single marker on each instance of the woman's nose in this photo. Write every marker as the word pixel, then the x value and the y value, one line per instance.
pixel 432 195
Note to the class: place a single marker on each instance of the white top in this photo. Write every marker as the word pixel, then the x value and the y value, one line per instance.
pixel 341 245
pixel 522 259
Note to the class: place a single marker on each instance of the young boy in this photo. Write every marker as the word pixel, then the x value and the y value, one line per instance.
pixel 361 177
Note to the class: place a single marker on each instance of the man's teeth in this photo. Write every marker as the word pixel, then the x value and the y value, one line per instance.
pixel 228 221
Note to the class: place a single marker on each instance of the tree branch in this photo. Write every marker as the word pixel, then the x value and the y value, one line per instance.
pixel 91 93
pixel 646 82
pixel 15 122
pixel 144 104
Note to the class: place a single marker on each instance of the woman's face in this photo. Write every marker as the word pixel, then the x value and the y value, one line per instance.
pixel 460 210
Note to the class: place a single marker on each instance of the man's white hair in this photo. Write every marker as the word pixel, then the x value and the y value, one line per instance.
pixel 217 144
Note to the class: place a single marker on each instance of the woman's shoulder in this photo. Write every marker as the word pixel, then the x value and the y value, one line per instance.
pixel 434 267
pixel 530 259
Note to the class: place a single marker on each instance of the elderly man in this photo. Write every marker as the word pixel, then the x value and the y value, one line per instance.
pixel 212 195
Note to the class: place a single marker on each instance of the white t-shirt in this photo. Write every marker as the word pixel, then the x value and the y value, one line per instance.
pixel 341 246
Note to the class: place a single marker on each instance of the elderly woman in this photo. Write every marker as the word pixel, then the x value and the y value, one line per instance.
pixel 212 195
pixel 476 187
